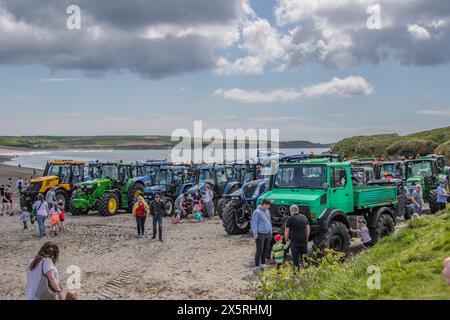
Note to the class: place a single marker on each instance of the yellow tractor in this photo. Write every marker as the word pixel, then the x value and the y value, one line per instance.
pixel 61 176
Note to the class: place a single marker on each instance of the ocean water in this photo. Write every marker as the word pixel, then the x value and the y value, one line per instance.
pixel 38 159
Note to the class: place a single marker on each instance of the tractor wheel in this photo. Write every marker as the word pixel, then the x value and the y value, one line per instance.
pixel 432 201
pixel 384 227
pixel 337 238
pixel 61 195
pixel 109 204
pixel 79 212
pixel 136 190
pixel 221 204
pixel 169 205
pixel 25 204
pixel 230 218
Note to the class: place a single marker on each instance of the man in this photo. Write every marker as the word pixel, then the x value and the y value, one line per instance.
pixel 3 201
pixel 50 198
pixel 19 184
pixel 446 270
pixel 297 231
pixel 209 201
pixel 157 209
pixel 262 232
pixel 442 195
pixel 417 200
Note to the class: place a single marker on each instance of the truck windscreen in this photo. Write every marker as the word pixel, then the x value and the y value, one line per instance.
pixel 303 176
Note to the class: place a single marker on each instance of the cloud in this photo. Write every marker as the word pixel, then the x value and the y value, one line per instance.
pixel 335 33
pixel 336 87
pixel 435 112
pixel 155 39
pixel 418 33
pixel 265 119
pixel 58 80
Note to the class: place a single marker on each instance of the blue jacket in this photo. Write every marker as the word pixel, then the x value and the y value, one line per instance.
pixel 442 195
pixel 261 222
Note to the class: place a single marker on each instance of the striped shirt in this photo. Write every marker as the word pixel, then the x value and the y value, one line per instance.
pixel 278 252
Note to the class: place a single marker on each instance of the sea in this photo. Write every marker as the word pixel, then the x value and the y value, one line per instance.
pixel 38 159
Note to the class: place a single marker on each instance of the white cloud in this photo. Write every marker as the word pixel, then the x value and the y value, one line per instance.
pixel 418 33
pixel 336 87
pixel 58 80
pixel 435 112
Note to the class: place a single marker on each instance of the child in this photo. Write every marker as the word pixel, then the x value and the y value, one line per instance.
pixel 197 215
pixel 61 216
pixel 364 233
pixel 278 250
pixel 25 216
pixel 54 215
pixel 177 217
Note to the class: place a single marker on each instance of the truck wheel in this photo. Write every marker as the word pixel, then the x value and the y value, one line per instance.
pixel 61 195
pixel 221 204
pixel 384 227
pixel 231 218
pixel 136 190
pixel 169 205
pixel 109 204
pixel 337 238
pixel 432 201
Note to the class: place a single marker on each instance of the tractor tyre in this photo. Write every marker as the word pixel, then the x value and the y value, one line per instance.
pixel 337 237
pixel 109 204
pixel 384 227
pixel 221 204
pixel 25 204
pixel 169 206
pixel 432 201
pixel 78 212
pixel 136 190
pixel 230 218
pixel 61 195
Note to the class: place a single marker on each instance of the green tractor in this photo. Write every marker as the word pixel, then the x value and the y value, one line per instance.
pixel 426 171
pixel 114 188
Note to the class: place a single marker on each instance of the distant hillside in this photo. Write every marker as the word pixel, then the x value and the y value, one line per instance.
pixel 114 142
pixel 394 145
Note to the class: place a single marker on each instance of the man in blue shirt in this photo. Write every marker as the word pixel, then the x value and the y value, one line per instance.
pixel 262 232
pixel 442 196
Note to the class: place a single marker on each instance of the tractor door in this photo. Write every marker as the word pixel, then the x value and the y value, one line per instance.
pixel 341 192
pixel 77 174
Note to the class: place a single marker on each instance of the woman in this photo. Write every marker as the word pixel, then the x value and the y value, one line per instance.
pixel 43 265
pixel 141 210
pixel 41 208
pixel 198 199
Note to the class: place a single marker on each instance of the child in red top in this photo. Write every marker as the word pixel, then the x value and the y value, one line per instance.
pixel 141 211
pixel 61 216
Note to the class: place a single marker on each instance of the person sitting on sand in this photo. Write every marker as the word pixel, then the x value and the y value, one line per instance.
pixel 197 215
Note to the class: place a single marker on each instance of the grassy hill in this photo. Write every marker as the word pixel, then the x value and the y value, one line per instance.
pixel 410 264
pixel 394 145
pixel 115 142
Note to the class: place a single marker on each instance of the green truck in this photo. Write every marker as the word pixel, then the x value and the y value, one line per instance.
pixel 427 171
pixel 325 194
pixel 114 188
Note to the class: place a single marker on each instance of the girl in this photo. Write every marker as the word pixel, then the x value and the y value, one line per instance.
pixel 61 216
pixel 197 215
pixel 54 215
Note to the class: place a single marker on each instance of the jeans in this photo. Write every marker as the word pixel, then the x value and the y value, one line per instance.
pixel 157 220
pixel 140 224
pixel 298 251
pixel 417 209
pixel 41 223
pixel 262 248
pixel 210 208
pixel 442 205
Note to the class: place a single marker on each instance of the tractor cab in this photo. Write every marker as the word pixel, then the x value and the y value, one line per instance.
pixel 361 175
pixel 395 169
pixel 146 171
pixel 214 175
pixel 60 175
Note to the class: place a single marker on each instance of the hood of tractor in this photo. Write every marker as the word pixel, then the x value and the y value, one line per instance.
pixel 415 180
pixel 94 183
pixel 155 188
pixel 44 179
pixel 303 197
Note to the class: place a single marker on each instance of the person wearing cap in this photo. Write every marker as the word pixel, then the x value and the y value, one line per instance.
pixel 297 231
pixel 442 196
pixel 278 250
pixel 140 211
pixel 262 232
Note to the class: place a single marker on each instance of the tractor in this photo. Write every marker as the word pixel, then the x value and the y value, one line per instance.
pixel 426 171
pixel 114 188
pixel 394 168
pixel 146 171
pixel 170 182
pixel 61 176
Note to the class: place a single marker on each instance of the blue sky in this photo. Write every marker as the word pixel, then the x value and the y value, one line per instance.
pixel 405 92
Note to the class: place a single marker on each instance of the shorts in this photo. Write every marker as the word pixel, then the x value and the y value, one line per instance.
pixel 55 219
pixel 61 220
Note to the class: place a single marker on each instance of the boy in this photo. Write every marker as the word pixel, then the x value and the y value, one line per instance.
pixel 25 216
pixel 278 250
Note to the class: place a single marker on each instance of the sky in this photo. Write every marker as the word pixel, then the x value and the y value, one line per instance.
pixel 317 70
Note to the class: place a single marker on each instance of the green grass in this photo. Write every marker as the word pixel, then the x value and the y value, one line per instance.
pixel 394 146
pixel 410 262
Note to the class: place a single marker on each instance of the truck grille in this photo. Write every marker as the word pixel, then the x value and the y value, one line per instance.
pixel 284 210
